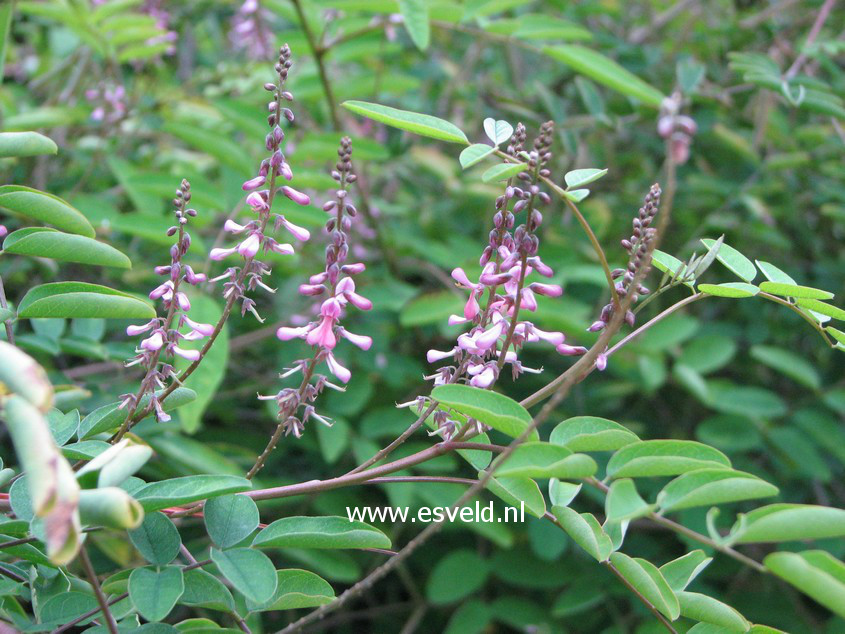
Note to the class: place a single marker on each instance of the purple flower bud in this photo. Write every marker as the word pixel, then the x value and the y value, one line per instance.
pixel 183 302
pixel 353 269
pixel 162 270
pixel 596 326
pixel 296 196
pixel 254 183
pixel 549 290
pixel 311 289
pixel 134 331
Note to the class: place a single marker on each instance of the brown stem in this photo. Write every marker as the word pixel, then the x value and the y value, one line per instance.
pixel 318 53
pixel 98 591
pixel 822 16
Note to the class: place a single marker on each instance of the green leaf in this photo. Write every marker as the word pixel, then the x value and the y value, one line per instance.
pixel 296 589
pixel 737 263
pixel 203 589
pixel 746 400
pixel 816 573
pixel 250 571
pixel 43 207
pixel 735 290
pixel 706 609
pixel 591 433
pixel 647 579
pixel 157 539
pixel 577 195
pixel 67 247
pixel 681 572
pixel 6 13
pixel 79 300
pixel 25 143
pixel 497 131
pixel 794 290
pixel 562 493
pixel 605 71
pixel 179 491
pixel 822 308
pixel 67 606
pixel 430 308
pixel 651 458
pixel 774 274
pixel 154 593
pixel 706 487
pixel 320 532
pixel 62 426
pixel 502 172
pixel 577 178
pixel 230 519
pixel 788 363
pixel 518 491
pixel 456 576
pixel 422 124
pixel 545 460
pixel 415 16
pixel 491 408
pixel 585 530
pixel 475 153
pixel 792 522
pixel 667 263
pixel 624 503
pixel 226 151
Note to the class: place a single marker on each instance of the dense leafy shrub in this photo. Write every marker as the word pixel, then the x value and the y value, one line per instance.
pixel 432 176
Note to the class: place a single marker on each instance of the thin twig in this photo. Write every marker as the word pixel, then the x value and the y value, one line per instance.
pixel 799 62
pixel 111 624
pixel 318 53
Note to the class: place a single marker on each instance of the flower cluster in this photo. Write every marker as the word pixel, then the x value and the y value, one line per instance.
pixel 250 31
pixel 335 283
pixel 254 240
pixel 639 259
pixel 162 334
pixel 497 333
pixel 678 129
pixel 109 102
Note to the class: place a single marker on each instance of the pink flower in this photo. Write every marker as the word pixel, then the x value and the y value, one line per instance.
pixel 249 247
pixel 190 355
pixel 134 331
pixel 300 233
pixel 205 330
pixel 153 343
pixel 286 333
pixel 338 370
pixel 219 253
pixel 361 341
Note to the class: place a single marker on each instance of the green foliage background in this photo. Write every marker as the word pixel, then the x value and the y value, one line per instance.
pixel 745 376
